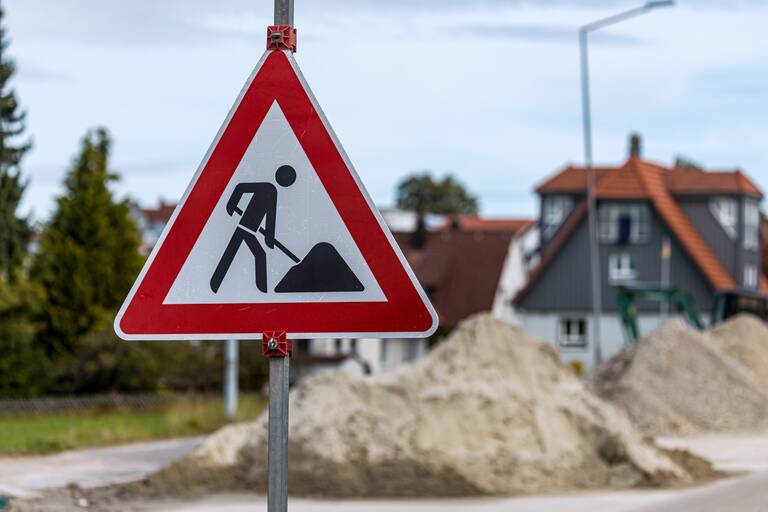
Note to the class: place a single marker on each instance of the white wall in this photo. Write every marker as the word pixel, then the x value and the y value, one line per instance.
pixel 379 354
pixel 398 351
pixel 513 277
pixel 612 341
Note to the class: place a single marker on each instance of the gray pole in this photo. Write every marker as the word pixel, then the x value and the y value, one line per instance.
pixel 666 255
pixel 231 368
pixel 594 252
pixel 277 450
pixel 284 12
pixel 279 372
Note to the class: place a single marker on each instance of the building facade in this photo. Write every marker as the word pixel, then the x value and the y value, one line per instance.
pixel 684 227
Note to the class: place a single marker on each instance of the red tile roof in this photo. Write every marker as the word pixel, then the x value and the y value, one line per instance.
pixel 679 181
pixel 653 178
pixel 697 181
pixel 475 223
pixel 570 180
pixel 161 214
pixel 460 270
pixel 638 179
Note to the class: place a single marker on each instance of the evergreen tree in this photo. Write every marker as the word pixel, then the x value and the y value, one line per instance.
pixel 88 255
pixel 15 231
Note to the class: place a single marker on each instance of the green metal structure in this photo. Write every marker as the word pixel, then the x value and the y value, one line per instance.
pixel 628 295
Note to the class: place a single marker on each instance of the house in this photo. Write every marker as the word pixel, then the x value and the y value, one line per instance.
pixel 151 222
pixel 466 264
pixel 696 230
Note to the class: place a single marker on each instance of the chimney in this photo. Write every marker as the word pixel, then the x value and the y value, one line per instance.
pixel 635 145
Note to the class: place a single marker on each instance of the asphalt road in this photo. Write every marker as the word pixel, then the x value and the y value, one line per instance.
pixel 747 494
pixel 24 476
pixel 744 494
pixel 97 467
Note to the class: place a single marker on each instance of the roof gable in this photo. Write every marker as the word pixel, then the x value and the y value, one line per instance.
pixel 641 180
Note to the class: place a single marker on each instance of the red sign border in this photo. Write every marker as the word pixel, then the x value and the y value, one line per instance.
pixel 406 313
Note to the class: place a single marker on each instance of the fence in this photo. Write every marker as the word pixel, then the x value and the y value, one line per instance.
pixel 71 404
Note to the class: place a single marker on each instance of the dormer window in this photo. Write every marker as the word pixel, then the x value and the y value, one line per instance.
pixel 751 225
pixel 725 210
pixel 554 211
pixel 623 224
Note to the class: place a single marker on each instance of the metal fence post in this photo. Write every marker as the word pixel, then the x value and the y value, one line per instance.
pixel 231 367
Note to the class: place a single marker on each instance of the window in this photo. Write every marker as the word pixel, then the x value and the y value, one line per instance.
pixel 555 210
pixel 621 267
pixel 726 212
pixel 751 225
pixel 411 350
pixel 750 276
pixel 623 223
pixel 573 333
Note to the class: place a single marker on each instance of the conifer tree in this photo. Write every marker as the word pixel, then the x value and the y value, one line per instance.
pixel 89 254
pixel 15 231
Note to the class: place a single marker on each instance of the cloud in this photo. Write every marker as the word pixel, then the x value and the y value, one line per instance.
pixel 543 33
pixel 32 73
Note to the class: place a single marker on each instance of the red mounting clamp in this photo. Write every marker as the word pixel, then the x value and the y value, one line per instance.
pixel 275 344
pixel 281 37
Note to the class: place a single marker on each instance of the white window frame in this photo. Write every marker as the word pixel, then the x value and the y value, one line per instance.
pixel 608 222
pixel 751 225
pixel 555 210
pixel 572 333
pixel 751 277
pixel 726 211
pixel 621 267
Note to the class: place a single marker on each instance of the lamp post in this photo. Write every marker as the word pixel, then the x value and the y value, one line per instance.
pixel 594 254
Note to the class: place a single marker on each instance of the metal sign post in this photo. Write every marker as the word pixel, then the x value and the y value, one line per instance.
pixel 284 12
pixel 322 284
pixel 278 350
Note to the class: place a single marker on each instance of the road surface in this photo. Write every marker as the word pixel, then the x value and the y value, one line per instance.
pixel 25 476
pixel 96 467
pixel 743 494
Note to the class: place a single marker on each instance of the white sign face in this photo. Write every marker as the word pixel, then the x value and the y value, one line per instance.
pixel 223 265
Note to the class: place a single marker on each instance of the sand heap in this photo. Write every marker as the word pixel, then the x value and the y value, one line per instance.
pixel 489 412
pixel 678 381
pixel 745 338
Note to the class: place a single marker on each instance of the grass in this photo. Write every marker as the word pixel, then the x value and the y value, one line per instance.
pixel 40 434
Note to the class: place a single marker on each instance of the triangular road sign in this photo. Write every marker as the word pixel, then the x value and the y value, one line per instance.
pixel 275 233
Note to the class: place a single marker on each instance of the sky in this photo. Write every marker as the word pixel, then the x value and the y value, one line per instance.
pixel 487 90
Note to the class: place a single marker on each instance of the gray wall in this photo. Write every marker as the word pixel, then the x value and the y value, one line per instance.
pixel 565 284
pixel 726 249
pixel 731 253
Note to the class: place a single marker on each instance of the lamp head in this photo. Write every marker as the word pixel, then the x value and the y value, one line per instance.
pixel 656 4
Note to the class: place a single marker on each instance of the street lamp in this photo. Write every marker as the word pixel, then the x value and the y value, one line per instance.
pixel 594 255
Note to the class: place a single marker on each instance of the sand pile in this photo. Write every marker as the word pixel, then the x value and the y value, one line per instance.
pixel 677 381
pixel 489 412
pixel 745 338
